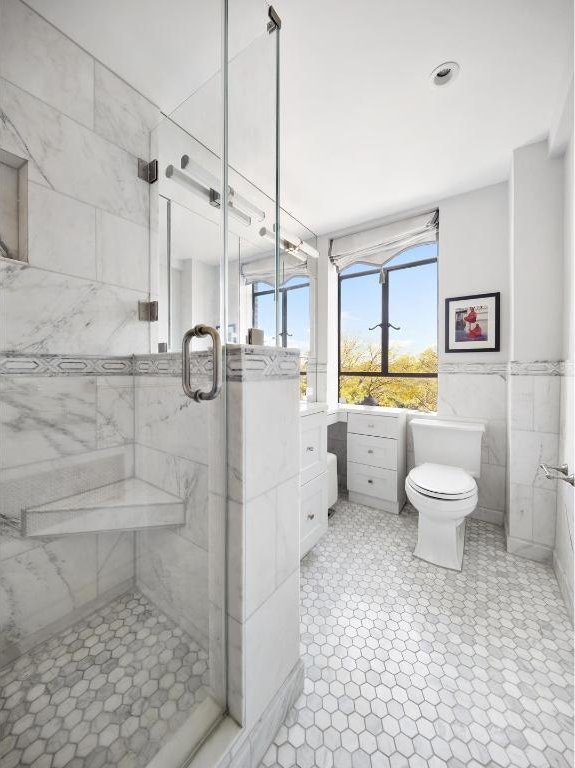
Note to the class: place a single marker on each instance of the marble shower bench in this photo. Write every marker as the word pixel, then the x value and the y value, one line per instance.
pixel 128 505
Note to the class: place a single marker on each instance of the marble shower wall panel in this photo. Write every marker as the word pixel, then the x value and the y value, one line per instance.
pixel 263 527
pixel 481 396
pixel 186 479
pixel 533 439
pixel 69 158
pixel 172 436
pixel 46 63
pixel 121 114
pixel 49 584
pixel 61 233
pixel 82 130
pixel 114 411
pixel 70 315
pixel 121 252
pixel 173 573
pixel 46 418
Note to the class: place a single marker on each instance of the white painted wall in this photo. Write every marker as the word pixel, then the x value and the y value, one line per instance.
pixel 536 254
pixel 473 258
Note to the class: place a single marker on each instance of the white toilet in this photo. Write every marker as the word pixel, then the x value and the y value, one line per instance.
pixel 441 486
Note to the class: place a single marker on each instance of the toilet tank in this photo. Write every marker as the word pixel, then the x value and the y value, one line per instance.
pixel 442 441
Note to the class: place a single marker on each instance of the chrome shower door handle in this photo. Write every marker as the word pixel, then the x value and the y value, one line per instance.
pixel 199 331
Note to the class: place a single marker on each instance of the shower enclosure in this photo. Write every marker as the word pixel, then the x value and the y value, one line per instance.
pixel 122 229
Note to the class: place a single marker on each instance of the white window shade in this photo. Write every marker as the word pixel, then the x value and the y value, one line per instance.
pixel 379 245
pixel 264 270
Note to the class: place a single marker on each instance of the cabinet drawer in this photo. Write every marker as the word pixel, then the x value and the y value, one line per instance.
pixel 313 513
pixel 313 447
pixel 378 426
pixel 372 481
pixel 373 451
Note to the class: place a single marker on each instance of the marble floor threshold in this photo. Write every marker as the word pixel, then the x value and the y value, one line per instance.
pixel 413 666
pixel 108 691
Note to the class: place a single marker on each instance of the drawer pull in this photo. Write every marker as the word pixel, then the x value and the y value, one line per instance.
pixel 371 426
pixel 370 481
pixel 310 517
pixel 310 448
pixel 369 450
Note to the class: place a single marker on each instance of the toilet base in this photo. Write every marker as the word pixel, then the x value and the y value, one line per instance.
pixel 441 543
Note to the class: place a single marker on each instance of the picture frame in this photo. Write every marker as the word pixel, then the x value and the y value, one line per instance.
pixel 472 323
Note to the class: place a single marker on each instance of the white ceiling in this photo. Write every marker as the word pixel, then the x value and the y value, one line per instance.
pixel 363 133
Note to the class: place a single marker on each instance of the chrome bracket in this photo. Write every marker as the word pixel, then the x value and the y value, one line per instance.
pixel 148 171
pixel 562 473
pixel 148 311
pixel 274 20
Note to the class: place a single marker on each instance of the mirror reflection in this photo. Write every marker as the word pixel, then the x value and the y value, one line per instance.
pixel 276 299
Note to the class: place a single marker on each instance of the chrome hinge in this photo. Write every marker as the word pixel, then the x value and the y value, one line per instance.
pixel 148 311
pixel 274 20
pixel 148 171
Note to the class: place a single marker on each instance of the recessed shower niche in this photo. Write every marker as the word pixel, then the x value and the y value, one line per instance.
pixel 13 206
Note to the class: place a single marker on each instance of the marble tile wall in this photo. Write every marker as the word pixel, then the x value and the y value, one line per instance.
pixel 480 393
pixel 172 437
pixel 81 130
pixel 534 401
pixel 263 534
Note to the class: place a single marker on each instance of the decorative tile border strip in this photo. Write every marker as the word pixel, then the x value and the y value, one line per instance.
pixel 251 363
pixel 244 363
pixel 539 368
pixel 477 368
pixel 512 368
pixel 17 364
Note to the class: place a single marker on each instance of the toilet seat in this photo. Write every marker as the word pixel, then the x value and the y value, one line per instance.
pixel 441 481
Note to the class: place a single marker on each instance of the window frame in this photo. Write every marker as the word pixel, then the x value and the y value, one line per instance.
pixel 284 291
pixel 384 373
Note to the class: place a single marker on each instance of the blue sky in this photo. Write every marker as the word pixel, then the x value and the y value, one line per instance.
pixel 413 304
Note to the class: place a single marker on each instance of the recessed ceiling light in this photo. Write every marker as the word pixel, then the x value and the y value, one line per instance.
pixel 444 73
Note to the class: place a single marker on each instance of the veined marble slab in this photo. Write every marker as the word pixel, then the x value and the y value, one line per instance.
pixel 70 158
pixel 122 252
pixel 45 418
pixel 122 115
pixel 61 233
pixel 39 58
pixel 69 316
pixel 114 411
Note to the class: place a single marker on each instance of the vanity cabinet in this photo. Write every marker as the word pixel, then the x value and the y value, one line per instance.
pixel 313 479
pixel 376 459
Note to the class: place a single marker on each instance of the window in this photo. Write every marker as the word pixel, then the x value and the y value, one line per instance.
pixel 388 331
pixel 294 318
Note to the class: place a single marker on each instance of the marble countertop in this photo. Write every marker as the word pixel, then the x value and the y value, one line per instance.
pixel 339 411
pixel 305 408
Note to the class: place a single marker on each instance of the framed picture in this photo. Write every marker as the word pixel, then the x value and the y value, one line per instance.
pixel 472 323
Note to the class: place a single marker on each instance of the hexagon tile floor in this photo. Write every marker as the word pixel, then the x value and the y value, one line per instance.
pixel 106 692
pixel 409 665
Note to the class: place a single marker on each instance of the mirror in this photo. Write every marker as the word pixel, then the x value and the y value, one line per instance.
pixel 188 252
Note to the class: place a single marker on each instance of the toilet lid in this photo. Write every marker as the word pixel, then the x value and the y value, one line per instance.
pixel 442 481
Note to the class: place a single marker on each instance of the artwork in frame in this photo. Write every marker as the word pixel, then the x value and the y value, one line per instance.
pixel 472 323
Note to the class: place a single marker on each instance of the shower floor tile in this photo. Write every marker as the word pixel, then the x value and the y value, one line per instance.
pixel 106 692
pixel 413 666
